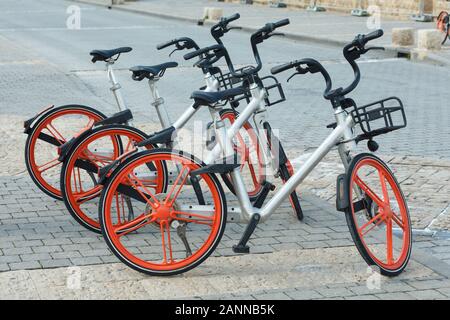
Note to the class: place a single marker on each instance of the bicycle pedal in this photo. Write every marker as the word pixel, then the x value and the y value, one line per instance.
pixel 241 249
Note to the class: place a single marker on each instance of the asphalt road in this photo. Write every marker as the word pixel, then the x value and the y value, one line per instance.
pixel 42 62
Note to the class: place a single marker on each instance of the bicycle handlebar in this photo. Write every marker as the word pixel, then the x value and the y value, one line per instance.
pixel 352 52
pixel 304 66
pixel 214 49
pixel 231 18
pixel 218 51
pixel 258 37
pixel 283 67
pixel 362 39
pixel 180 44
pixel 219 29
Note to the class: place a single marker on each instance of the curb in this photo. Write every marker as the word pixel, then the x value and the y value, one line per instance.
pixel 389 51
pixel 436 59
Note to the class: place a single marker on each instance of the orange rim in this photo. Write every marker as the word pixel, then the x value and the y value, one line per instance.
pixel 441 25
pixel 244 151
pixel 39 168
pixel 163 215
pixel 388 209
pixel 78 192
pixel 291 173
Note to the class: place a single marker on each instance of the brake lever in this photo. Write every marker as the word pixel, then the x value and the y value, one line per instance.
pixel 375 48
pixel 178 47
pixel 296 73
pixel 234 28
pixel 170 54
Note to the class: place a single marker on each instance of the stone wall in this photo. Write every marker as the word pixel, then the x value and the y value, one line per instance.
pixel 395 8
pixel 440 5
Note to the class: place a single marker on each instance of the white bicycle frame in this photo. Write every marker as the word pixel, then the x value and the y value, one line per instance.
pixel 158 102
pixel 342 136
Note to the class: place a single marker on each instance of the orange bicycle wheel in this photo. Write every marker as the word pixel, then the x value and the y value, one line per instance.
pixel 172 233
pixel 378 215
pixel 247 146
pixel 91 152
pixel 58 126
pixel 442 24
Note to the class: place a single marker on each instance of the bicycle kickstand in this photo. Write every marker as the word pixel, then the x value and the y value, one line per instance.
pixel 242 246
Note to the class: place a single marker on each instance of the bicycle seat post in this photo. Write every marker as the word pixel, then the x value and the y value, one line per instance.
pixel 158 103
pixel 115 86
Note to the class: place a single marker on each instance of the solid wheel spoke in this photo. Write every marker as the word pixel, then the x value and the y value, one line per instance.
pixel 129 144
pixel 55 133
pixel 137 183
pixel 169 242
pixel 81 198
pixel 51 164
pixel 134 225
pixel 377 220
pixel 369 191
pixel 179 180
pixel 383 187
pixel 201 219
pixel 79 179
pixel 165 225
pixel 398 221
pixel 119 205
pixel 389 243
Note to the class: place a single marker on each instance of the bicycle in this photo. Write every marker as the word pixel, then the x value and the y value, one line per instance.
pixel 365 206
pixel 50 130
pixel 54 126
pixel 119 184
pixel 80 188
pixel 443 24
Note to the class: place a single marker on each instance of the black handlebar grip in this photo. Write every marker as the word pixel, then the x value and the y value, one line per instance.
pixel 167 44
pixel 196 53
pixel 231 18
pixel 281 23
pixel 283 67
pixel 373 35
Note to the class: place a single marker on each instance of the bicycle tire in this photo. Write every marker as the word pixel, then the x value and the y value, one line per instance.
pixel 33 137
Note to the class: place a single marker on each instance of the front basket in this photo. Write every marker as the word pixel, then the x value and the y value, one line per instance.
pixel 380 117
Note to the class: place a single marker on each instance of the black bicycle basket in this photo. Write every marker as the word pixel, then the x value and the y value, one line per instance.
pixel 379 117
pixel 228 81
pixel 274 90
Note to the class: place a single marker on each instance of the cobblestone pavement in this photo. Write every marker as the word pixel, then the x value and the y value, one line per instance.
pixel 332 273
pixel 38 233
pixel 290 260
pixel 425 183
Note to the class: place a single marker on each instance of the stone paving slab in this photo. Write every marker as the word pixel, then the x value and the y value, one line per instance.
pixel 290 274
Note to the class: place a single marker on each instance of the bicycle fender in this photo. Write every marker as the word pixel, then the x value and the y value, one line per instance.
pixel 342 201
pixel 27 124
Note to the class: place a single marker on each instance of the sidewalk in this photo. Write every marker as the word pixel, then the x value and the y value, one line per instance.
pixel 329 28
pixel 44 253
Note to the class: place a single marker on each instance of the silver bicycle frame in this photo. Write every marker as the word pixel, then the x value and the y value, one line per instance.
pixel 342 136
